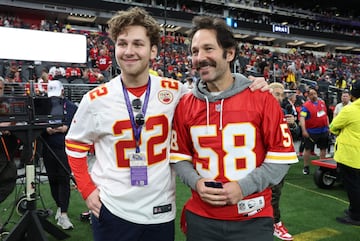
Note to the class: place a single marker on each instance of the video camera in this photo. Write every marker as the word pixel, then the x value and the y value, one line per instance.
pixel 26 110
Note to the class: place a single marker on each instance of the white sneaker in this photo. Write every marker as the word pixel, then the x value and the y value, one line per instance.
pixel 281 232
pixel 64 222
pixel 58 213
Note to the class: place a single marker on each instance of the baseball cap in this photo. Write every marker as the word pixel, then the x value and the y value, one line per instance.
pixel 54 88
pixel 355 88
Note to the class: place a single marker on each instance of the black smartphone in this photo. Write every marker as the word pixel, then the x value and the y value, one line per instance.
pixel 214 184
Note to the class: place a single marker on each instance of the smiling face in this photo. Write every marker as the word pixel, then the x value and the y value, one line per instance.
pixel 209 58
pixel 133 52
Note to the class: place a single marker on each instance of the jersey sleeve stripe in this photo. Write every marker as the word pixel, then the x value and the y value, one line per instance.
pixel 284 157
pixel 77 146
pixel 176 157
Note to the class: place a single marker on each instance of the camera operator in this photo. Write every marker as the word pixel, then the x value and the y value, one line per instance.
pixel 57 167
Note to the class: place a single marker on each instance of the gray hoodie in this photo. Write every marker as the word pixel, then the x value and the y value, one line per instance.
pixel 260 178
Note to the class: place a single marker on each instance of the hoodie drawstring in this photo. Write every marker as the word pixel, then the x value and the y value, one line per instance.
pixel 221 115
pixel 208 114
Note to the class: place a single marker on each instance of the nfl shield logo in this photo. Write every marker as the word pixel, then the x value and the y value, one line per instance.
pixel 218 107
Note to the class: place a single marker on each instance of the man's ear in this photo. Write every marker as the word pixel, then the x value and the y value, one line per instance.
pixel 153 52
pixel 229 54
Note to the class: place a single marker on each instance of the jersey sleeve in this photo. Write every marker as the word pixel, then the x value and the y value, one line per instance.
pixel 277 135
pixel 78 142
pixel 180 148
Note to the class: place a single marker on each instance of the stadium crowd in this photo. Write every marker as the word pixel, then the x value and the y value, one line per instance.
pixel 302 72
pixel 295 68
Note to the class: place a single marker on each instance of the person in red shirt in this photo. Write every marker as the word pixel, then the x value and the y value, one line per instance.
pixel 231 145
pixel 104 63
pixel 314 123
pixel 72 73
pixel 94 53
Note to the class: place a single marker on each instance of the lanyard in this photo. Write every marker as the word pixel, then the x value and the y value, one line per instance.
pixel 136 128
pixel 5 148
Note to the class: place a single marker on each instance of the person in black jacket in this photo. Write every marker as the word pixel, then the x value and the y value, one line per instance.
pixel 57 166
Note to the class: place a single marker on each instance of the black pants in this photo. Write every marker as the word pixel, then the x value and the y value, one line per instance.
pixel 109 227
pixel 58 171
pixel 275 200
pixel 351 181
pixel 207 229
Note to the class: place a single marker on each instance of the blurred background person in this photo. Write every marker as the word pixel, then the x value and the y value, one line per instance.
pixel 346 125
pixel 57 167
pixel 345 100
pixel 314 124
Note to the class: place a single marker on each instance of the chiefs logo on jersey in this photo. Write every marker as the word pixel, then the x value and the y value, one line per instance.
pixel 165 96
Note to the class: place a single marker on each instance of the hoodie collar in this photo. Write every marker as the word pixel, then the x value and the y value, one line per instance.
pixel 201 92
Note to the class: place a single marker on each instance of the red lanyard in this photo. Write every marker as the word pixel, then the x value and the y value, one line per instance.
pixel 5 148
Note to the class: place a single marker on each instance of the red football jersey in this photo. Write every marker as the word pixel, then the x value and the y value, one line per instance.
pixel 228 139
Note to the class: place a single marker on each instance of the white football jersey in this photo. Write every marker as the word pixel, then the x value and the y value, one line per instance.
pixel 103 120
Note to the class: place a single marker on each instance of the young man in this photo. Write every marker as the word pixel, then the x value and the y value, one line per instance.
pixel 131 188
pixel 231 145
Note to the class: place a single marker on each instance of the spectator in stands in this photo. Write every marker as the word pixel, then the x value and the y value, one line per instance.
pixel 57 167
pixel 94 53
pixel 171 73
pixel 57 72
pixel 341 82
pixel 73 72
pixel 345 100
pixel 104 63
pixel 2 86
pixel 92 76
pixel 314 124
pixel 11 87
pixel 346 125
pixel 290 78
pixel 42 82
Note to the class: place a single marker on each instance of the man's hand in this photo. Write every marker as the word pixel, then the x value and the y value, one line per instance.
pixel 93 203
pixel 59 129
pixel 213 196
pixel 233 192
pixel 259 83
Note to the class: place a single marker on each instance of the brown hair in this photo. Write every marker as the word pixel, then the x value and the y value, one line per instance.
pixel 134 16
pixel 224 35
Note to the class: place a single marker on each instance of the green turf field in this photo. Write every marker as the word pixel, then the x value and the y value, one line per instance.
pixel 308 212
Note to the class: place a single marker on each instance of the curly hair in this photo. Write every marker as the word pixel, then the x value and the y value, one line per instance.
pixel 131 17
pixel 224 35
